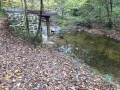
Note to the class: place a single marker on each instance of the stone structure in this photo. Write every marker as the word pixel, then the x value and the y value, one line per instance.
pixel 17 20
pixel 18 16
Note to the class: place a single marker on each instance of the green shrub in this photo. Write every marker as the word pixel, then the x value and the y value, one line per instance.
pixel 1 14
pixel 22 33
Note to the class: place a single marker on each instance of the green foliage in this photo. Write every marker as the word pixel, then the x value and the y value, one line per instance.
pixel 92 9
pixel 19 32
pixel 74 11
pixel 64 22
pixel 73 55
pixel 108 78
pixel 1 14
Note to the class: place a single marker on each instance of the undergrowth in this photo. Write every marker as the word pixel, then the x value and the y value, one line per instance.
pixel 1 14
pixel 19 32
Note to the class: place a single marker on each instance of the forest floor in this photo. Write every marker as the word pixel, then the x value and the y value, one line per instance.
pixel 23 67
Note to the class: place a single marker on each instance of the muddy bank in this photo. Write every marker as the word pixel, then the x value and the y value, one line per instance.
pixel 94 28
pixel 113 34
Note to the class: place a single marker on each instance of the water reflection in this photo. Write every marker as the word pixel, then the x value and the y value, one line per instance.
pixel 99 52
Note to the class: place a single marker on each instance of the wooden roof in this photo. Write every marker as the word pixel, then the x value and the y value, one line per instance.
pixel 44 13
pixel 13 10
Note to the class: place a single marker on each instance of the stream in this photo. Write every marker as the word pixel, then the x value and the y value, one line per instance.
pixel 100 53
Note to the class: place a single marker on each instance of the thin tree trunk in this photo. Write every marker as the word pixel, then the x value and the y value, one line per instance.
pixel 39 31
pixel 108 14
pixel 26 17
pixel 32 7
pixel 107 8
pixel 1 5
pixel 22 3
pixel 100 10
pixel 111 5
pixel 10 3
pixel 62 12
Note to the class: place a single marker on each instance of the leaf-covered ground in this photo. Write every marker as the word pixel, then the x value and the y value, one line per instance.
pixel 23 67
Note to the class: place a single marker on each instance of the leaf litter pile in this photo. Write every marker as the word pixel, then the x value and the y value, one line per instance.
pixel 23 67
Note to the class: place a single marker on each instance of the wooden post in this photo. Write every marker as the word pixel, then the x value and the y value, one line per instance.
pixel 48 25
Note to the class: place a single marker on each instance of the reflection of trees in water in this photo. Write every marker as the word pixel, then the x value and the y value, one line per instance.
pixel 78 49
pixel 104 65
pixel 106 47
pixel 94 50
pixel 99 58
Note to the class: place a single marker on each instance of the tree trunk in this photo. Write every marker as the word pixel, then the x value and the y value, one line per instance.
pixel 109 13
pixel 111 5
pixel 32 5
pixel 26 17
pixel 62 12
pixel 100 10
pixel 1 5
pixel 22 3
pixel 39 31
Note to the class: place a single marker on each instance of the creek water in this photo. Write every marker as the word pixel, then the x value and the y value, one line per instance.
pixel 100 53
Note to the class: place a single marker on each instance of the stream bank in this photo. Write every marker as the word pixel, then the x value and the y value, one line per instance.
pixel 113 34
pixel 97 29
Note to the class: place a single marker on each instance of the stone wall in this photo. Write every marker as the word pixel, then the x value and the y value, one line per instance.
pixel 18 20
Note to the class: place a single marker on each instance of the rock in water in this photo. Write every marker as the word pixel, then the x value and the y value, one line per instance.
pixel 61 37
pixel 53 31
pixel 80 30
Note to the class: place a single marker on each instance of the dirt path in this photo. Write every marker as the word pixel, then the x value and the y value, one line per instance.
pixel 23 67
